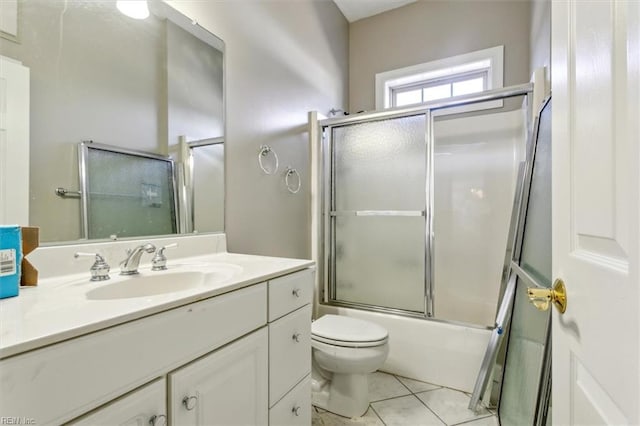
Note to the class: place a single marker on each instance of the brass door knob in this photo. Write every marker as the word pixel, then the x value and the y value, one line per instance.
pixel 542 297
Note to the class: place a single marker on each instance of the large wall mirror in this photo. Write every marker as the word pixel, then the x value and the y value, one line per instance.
pixel 153 85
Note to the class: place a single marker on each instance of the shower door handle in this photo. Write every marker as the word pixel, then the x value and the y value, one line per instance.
pixel 390 213
pixel 543 297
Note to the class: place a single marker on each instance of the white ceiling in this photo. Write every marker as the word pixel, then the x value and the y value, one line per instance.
pixel 354 10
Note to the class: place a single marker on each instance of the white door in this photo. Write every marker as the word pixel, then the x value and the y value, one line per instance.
pixel 596 220
pixel 143 407
pixel 14 142
pixel 227 387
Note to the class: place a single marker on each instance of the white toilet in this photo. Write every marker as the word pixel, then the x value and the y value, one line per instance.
pixel 345 351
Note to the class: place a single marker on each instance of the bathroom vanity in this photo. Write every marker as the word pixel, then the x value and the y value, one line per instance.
pixel 231 346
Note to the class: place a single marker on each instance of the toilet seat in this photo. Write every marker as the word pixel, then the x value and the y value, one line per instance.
pixel 348 344
pixel 348 332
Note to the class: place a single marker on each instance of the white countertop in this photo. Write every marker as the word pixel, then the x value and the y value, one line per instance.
pixel 59 309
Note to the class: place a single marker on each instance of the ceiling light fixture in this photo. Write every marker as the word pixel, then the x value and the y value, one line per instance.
pixel 136 9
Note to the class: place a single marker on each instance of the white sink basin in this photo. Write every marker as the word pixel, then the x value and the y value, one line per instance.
pixel 178 277
pixel 215 268
pixel 214 273
pixel 148 285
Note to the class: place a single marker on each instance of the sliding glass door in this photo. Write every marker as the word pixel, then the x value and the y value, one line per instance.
pixel 416 210
pixel 378 213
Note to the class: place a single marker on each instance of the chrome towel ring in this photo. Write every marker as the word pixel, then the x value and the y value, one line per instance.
pixel 265 150
pixel 292 189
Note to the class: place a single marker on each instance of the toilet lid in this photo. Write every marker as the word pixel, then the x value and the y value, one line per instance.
pixel 346 329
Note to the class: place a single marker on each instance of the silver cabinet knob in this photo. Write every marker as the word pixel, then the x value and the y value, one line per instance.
pixel 190 402
pixel 296 410
pixel 296 292
pixel 296 337
pixel 158 420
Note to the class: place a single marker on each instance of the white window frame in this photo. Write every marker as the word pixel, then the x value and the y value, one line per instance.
pixel 490 60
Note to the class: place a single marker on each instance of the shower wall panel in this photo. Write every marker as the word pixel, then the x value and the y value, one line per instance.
pixel 208 184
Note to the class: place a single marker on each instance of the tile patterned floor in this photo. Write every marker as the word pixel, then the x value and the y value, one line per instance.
pixel 398 401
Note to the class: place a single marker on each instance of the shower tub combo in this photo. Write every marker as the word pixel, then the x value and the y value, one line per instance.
pixel 411 211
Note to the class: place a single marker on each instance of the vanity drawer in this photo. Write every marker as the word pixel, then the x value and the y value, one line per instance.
pixel 101 366
pixel 288 293
pixel 141 406
pixel 289 352
pixel 295 407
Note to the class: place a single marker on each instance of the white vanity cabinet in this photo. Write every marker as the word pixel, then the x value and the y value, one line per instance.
pixel 241 357
pixel 290 300
pixel 227 387
pixel 57 383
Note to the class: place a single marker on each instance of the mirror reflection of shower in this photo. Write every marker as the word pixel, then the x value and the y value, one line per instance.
pixel 132 83
pixel 201 182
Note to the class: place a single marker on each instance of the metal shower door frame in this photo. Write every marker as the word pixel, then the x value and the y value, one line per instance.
pixel 327 155
pixel 330 214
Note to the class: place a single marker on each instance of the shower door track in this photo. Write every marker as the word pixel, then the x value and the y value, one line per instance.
pixel 327 251
pixel 455 101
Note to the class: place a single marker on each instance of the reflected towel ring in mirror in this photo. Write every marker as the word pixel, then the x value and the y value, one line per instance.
pixel 264 151
pixel 292 189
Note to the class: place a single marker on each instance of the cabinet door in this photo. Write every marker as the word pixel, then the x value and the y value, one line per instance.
pixel 227 387
pixel 142 407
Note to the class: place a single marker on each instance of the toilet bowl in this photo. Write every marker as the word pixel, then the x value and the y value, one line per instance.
pixel 345 351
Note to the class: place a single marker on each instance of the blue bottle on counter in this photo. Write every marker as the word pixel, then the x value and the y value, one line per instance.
pixel 10 260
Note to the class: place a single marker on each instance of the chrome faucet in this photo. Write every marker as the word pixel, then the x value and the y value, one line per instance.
pixel 129 266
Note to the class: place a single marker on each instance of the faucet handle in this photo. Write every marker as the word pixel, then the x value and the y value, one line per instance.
pixel 100 269
pixel 159 261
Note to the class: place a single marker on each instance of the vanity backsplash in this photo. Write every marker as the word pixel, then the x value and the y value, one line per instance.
pixel 56 261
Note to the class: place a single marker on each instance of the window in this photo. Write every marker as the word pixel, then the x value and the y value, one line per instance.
pixel 455 76
pixel 431 90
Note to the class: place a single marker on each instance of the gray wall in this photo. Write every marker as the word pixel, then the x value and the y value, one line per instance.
pixel 540 40
pixel 283 58
pixel 194 87
pixel 428 30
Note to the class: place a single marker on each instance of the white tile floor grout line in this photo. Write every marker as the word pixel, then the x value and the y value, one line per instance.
pixel 377 415
pixel 429 408
pixel 318 413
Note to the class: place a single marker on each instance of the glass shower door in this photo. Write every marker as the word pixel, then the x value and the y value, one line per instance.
pixel 525 383
pixel 378 213
pixel 474 177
